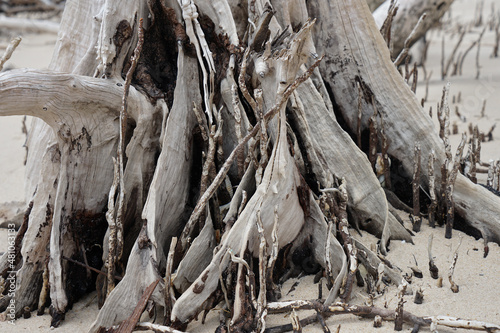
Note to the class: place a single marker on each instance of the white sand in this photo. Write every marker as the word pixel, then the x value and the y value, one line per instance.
pixel 478 277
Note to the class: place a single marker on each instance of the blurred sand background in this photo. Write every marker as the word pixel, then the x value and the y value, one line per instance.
pixel 478 277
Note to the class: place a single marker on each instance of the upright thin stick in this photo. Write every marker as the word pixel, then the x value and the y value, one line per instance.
pixel 478 67
pixel 454 287
pixel 10 49
pixel 449 188
pixel 409 40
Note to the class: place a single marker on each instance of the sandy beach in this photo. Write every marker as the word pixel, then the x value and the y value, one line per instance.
pixel 478 278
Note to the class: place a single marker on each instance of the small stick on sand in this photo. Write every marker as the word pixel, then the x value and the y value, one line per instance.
pixel 398 320
pixel 296 326
pixel 371 312
pixel 432 267
pixel 349 247
pixel 321 320
pixel 454 286
pixel 415 78
pixel 497 40
pixel 452 55
pixel 478 67
pixel 449 188
pixel 483 109
pixel 491 175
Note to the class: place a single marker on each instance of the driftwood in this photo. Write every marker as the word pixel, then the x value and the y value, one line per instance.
pixel 214 102
pixel 409 13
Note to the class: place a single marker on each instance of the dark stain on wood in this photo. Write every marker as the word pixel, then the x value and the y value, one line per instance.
pixel 122 34
pixel 303 194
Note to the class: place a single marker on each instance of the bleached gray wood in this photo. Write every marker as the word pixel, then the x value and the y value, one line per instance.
pixel 367 62
pixel 166 199
pixel 406 19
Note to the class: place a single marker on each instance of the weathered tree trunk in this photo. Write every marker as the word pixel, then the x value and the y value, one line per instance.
pixel 210 90
pixel 405 21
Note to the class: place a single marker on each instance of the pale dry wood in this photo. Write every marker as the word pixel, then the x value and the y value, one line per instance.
pixel 408 15
pixel 366 196
pixel 14 43
pixel 165 202
pixel 371 66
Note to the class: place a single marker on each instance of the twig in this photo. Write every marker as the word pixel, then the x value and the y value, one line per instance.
pixel 349 247
pixel 128 326
pixel 169 300
pixel 239 133
pixel 432 267
pixel 89 267
pixel 408 41
pixel 262 300
pixel 494 54
pixel 263 135
pixel 110 218
pixel 200 205
pixel 386 29
pixel 241 81
pixel 145 326
pixel 415 78
pixel 491 175
pixel 454 286
pixel 370 312
pixel 116 224
pixel 398 321
pixel 274 251
pixel 478 14
pixel 197 37
pixel 452 55
pixel 321 320
pixel 460 62
pixel 478 67
pixel 10 49
pixel 296 327
pixel 449 188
